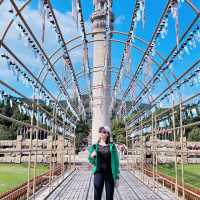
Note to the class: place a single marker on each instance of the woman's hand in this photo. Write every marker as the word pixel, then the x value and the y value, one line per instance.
pixel 93 154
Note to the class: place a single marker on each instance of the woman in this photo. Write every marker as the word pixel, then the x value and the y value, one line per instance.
pixel 104 158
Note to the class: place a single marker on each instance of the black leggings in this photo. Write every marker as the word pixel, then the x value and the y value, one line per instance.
pixel 99 179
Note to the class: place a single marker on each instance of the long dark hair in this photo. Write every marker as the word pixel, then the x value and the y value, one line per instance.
pixel 108 138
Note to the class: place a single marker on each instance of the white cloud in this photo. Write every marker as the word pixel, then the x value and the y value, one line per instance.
pixel 120 19
pixel 33 19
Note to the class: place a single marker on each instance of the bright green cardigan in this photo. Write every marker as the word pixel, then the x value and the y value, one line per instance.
pixel 114 159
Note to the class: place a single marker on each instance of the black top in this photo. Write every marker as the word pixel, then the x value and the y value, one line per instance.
pixel 104 164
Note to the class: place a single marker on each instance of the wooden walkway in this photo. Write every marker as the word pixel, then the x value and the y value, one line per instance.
pixel 79 186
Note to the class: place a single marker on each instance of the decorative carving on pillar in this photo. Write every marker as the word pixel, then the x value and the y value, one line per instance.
pixel 99 20
pixel 99 15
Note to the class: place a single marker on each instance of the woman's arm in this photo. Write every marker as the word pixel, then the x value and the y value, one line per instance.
pixel 116 160
pixel 90 159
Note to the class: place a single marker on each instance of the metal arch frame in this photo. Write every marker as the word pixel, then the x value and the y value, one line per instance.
pixel 177 129
pixel 155 74
pixel 40 84
pixel 168 110
pixel 119 41
pixel 132 46
pixel 37 127
pixel 42 81
pixel 28 99
pixel 81 74
pixel 113 32
pixel 7 29
pixel 55 112
pixel 187 1
pixel 19 11
pixel 84 40
pixel 172 84
pixel 197 17
pixel 13 20
pixel 66 50
pixel 128 40
pixel 93 41
pixel 198 13
pixel 76 46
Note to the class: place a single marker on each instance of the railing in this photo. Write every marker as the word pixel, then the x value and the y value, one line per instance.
pixel 190 193
pixel 21 191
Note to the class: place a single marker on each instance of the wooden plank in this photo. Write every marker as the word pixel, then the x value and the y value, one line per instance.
pixel 130 188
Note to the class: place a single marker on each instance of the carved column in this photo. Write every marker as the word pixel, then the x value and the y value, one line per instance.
pixel 101 79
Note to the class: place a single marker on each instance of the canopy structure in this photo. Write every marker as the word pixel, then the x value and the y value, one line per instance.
pixel 135 61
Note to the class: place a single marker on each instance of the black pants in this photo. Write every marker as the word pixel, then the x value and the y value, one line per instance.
pixel 99 180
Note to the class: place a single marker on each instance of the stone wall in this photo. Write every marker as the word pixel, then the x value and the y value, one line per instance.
pixel 17 151
pixel 165 151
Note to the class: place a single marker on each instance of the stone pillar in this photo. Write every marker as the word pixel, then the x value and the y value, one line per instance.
pixel 152 148
pixel 185 154
pixel 49 148
pixel 19 148
pixel 60 149
pixel 101 79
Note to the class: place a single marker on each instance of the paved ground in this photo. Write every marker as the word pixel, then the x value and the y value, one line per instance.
pixel 79 186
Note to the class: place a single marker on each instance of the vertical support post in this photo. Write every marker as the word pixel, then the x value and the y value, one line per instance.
pixel 69 152
pixel 175 150
pixel 63 153
pixel 156 151
pixel 54 151
pixel 153 149
pixel 132 150
pixel 182 151
pixel 19 147
pixel 52 148
pixel 30 150
pixel 74 150
pixel 142 152
pixel 127 157
pixel 50 158
pixel 36 148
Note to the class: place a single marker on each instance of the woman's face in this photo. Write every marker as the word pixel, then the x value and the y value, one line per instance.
pixel 104 134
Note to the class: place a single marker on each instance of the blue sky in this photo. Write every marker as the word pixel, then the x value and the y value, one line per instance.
pixel 122 11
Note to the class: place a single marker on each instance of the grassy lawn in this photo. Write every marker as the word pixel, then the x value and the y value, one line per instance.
pixel 191 173
pixel 12 175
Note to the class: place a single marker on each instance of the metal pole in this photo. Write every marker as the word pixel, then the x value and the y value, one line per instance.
pixel 182 153
pixel 127 159
pixel 153 149
pixel 156 151
pixel 175 150
pixel 36 148
pixel 30 148
pixel 142 152
pixel 74 144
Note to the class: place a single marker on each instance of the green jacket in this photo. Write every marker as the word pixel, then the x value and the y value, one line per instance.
pixel 114 159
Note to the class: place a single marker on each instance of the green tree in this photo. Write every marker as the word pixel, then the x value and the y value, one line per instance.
pixel 118 131
pixel 194 134
pixel 82 132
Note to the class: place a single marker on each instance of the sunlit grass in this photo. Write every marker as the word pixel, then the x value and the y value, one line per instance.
pixel 191 173
pixel 12 175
